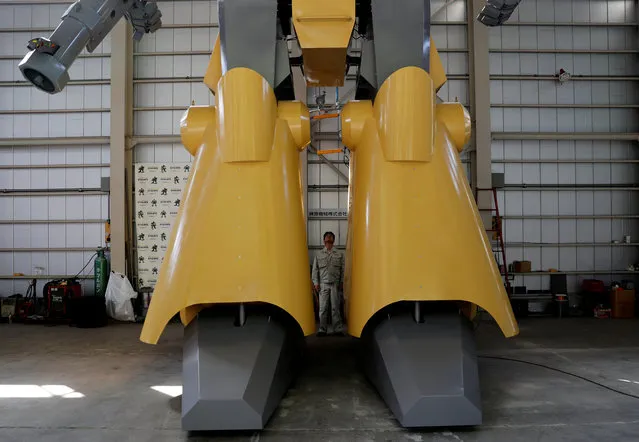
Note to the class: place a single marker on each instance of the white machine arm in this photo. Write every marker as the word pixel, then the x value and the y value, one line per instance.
pixel 84 24
pixel 497 12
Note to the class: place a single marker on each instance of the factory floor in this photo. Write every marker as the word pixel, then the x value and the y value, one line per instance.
pixel 331 401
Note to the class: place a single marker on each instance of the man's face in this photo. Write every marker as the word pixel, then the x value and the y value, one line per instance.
pixel 328 241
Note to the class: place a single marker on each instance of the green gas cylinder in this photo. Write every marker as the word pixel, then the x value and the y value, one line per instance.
pixel 101 273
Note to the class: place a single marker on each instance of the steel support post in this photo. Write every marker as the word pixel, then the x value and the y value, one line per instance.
pixel 121 118
pixel 299 85
pixel 479 87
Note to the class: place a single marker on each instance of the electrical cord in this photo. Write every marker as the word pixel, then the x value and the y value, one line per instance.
pixel 583 378
pixel 85 266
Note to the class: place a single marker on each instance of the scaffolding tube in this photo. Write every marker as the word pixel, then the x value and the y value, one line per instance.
pixel 577 136
pixel 62 141
pixel 568 217
pixel 52 166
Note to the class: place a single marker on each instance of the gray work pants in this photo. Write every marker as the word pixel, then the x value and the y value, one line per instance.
pixel 328 293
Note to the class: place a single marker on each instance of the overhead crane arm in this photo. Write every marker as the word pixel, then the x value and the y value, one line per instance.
pixel 84 25
pixel 497 12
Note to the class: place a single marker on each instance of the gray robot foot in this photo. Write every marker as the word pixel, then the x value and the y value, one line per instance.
pixel 234 375
pixel 426 372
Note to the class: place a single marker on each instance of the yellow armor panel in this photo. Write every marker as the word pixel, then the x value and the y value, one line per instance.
pixel 324 30
pixel 415 233
pixel 240 234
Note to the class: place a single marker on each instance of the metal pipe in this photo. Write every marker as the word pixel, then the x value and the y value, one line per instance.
pixel 160 108
pixel 555 187
pixel 87 189
pixel 154 139
pixel 564 51
pixel 457 77
pixel 330 189
pixel 242 315
pixel 64 193
pixel 453 50
pixel 565 106
pixel 171 53
pixel 50 111
pixel 569 244
pixel 324 162
pixel 48 249
pixel 550 161
pixel 564 217
pixel 53 221
pixel 189 26
pixel 572 78
pixel 578 272
pixel 48 30
pixel 52 166
pixel 87 55
pixel 463 160
pixel 155 80
pixel 88 276
pixel 572 24
pixel 70 83
pixel 417 313
pixel 63 141
pixel 585 136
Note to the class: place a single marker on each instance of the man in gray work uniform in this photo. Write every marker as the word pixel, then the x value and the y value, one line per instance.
pixel 328 278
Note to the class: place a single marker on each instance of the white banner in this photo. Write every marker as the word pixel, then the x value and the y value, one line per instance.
pixel 158 194
pixel 327 213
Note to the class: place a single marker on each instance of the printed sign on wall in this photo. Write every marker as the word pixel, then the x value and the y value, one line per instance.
pixel 327 213
pixel 158 194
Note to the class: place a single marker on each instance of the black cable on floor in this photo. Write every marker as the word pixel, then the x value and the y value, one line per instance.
pixel 521 361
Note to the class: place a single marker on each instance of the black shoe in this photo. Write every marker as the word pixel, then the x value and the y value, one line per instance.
pixel 321 334
pixel 339 334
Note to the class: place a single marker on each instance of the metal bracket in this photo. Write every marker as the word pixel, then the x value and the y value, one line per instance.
pixel 328 162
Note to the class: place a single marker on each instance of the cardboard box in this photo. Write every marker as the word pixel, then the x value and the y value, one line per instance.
pixel 622 303
pixel 522 266
pixel 495 226
pixel 7 307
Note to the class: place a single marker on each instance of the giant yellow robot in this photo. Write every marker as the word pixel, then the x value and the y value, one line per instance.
pixel 418 259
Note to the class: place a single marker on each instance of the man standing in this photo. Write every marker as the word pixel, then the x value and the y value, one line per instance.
pixel 328 278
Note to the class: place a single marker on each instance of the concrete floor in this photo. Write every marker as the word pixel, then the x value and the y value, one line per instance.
pixel 331 401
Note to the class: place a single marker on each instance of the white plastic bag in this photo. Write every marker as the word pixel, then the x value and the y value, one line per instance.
pixel 118 297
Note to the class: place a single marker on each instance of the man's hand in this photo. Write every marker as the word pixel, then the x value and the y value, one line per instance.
pixel 317 287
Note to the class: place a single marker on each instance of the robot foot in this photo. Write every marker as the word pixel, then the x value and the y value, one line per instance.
pixel 234 376
pixel 425 372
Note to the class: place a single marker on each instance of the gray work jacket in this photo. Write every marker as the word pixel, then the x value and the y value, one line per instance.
pixel 328 267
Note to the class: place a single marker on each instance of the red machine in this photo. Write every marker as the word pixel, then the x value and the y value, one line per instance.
pixel 56 297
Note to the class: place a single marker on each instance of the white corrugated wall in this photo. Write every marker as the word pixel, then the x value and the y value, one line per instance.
pixel 585 201
pixel 48 224
pixel 168 70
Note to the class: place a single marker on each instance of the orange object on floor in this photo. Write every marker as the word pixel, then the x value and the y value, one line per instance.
pixel 623 304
